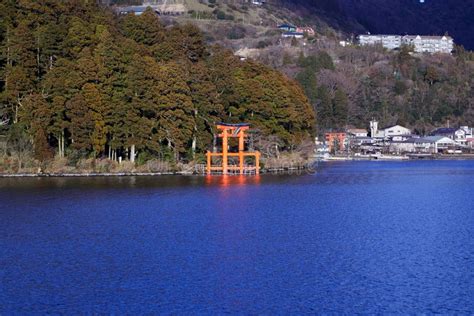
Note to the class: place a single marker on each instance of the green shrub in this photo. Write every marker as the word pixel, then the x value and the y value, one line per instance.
pixel 220 15
pixel 236 32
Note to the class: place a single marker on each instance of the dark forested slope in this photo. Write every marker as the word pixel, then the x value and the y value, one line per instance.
pixel 76 79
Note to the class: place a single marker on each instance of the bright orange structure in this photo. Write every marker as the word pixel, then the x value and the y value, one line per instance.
pixel 334 138
pixel 233 131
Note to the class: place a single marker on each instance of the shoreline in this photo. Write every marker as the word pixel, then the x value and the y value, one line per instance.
pixel 413 157
pixel 272 171
pixel 137 174
pixel 91 174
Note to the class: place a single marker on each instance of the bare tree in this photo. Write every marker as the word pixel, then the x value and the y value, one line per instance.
pixel 4 121
pixel 19 145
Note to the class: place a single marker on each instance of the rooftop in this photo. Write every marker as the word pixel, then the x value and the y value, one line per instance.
pixel 444 37
pixel 434 37
pixel 427 139
pixel 357 130
pixel 444 130
pixel 390 126
pixel 286 26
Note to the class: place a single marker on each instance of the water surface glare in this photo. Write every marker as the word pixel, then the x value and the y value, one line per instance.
pixel 359 237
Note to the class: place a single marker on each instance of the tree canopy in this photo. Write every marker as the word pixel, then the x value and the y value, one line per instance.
pixel 77 78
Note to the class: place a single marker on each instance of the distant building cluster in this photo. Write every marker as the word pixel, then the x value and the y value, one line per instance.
pixel 421 44
pixel 161 9
pixel 292 31
pixel 397 139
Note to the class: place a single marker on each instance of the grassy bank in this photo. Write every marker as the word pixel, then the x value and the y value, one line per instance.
pixel 59 166
pixel 63 167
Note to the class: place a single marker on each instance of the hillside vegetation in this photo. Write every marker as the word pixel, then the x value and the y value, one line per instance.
pixel 78 81
pixel 348 86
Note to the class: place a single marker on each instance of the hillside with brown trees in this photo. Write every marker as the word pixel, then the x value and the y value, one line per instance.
pixel 347 84
pixel 78 81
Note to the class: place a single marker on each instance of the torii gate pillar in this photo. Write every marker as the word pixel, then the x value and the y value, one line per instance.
pixel 233 131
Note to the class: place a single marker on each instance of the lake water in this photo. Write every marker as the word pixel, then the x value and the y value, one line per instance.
pixel 357 237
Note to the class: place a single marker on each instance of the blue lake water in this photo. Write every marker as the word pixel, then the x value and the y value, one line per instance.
pixel 357 237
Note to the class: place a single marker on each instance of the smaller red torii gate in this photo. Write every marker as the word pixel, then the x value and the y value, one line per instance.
pixel 233 131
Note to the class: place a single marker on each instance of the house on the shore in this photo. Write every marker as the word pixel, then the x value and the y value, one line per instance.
pixel 428 145
pixel 459 135
pixel 470 142
pixel 336 140
pixel 434 144
pixel 357 132
pixel 469 131
pixel 388 132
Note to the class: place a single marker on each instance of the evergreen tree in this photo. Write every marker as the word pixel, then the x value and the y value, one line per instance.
pixel 340 108
pixel 76 78
pixel 324 109
pixel 307 80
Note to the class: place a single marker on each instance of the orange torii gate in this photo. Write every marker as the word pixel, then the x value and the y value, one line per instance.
pixel 233 131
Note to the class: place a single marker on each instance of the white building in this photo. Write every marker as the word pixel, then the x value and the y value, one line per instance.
pixel 258 2
pixel 468 131
pixel 421 44
pixel 433 144
pixel 387 41
pixel 292 34
pixel 470 143
pixel 459 135
pixel 395 130
pixel 357 132
pixel 388 132
pixel 430 144
pixel 402 137
pixel 430 44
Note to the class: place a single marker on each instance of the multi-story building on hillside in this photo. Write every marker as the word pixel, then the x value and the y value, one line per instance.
pixel 387 41
pixel 430 44
pixel 421 44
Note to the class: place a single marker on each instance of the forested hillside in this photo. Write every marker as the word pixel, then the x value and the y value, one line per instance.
pixel 348 85
pixel 78 81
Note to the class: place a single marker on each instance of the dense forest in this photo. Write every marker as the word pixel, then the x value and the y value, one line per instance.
pixel 79 81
